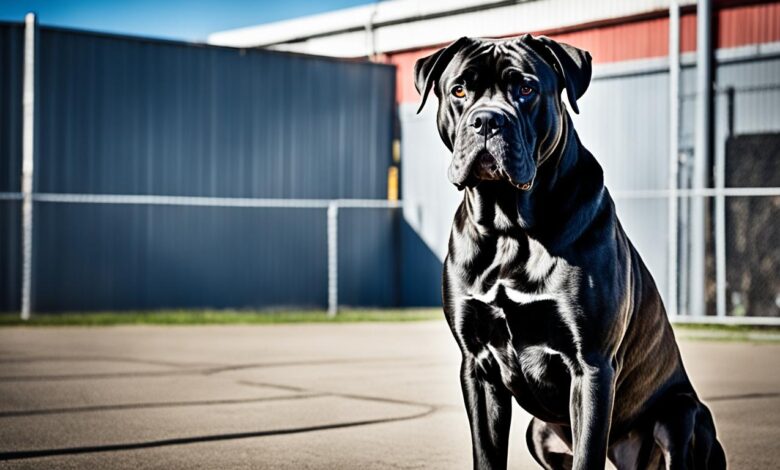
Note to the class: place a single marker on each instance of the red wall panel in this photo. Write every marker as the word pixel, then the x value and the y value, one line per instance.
pixel 751 24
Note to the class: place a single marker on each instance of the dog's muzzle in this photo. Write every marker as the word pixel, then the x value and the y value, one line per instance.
pixel 487 154
pixel 486 124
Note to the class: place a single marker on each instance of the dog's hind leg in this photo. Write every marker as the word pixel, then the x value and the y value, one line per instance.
pixel 685 433
pixel 547 448
pixel 708 453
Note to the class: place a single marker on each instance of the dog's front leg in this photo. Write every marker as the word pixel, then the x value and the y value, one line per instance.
pixel 592 397
pixel 489 407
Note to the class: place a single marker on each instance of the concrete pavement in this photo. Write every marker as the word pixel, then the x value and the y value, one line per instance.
pixel 367 395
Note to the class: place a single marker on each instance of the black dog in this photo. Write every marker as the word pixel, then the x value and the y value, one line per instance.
pixel 544 293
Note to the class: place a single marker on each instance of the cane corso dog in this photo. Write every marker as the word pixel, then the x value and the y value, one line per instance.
pixel 545 295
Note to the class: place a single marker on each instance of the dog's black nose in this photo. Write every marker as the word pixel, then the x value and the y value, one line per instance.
pixel 487 121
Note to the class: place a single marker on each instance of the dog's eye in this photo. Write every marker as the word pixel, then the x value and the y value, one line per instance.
pixel 458 91
pixel 526 90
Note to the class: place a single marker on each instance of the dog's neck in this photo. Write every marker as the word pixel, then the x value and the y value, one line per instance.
pixel 566 195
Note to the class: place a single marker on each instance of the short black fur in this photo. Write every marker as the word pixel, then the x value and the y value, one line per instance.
pixel 545 295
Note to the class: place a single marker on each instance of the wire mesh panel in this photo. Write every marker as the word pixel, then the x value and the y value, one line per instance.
pixel 752 228
pixel 752 256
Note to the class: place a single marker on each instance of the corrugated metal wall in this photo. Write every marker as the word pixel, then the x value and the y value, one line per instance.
pixel 133 116
pixel 624 123
pixel 121 115
pixel 11 50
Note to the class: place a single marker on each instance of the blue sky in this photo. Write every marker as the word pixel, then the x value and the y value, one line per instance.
pixel 190 20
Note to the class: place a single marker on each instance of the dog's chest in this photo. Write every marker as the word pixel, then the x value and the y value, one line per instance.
pixel 517 318
pixel 521 273
pixel 529 333
pixel 529 344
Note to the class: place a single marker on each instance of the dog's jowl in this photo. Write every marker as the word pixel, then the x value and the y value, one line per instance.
pixel 545 295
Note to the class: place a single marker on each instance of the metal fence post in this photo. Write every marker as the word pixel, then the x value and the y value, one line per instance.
pixel 28 153
pixel 674 154
pixel 720 216
pixel 697 303
pixel 333 258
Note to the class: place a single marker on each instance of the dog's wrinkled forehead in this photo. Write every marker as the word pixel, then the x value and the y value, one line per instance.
pixel 486 60
pixel 570 66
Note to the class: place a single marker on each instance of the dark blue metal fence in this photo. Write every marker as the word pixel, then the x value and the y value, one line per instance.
pixel 130 116
pixel 11 49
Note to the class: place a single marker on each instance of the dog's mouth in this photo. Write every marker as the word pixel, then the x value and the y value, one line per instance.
pixel 486 167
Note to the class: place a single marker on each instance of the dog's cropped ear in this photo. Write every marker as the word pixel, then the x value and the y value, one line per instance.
pixel 572 64
pixel 428 69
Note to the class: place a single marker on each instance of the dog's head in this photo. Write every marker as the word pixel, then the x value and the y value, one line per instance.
pixel 500 109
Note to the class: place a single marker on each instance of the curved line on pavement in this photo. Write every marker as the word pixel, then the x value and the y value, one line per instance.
pixel 28 454
pixel 134 406
pixel 744 396
pixel 205 371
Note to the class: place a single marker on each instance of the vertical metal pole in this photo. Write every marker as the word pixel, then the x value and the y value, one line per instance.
pixel 720 216
pixel 684 224
pixel 674 154
pixel 333 258
pixel 702 154
pixel 28 153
